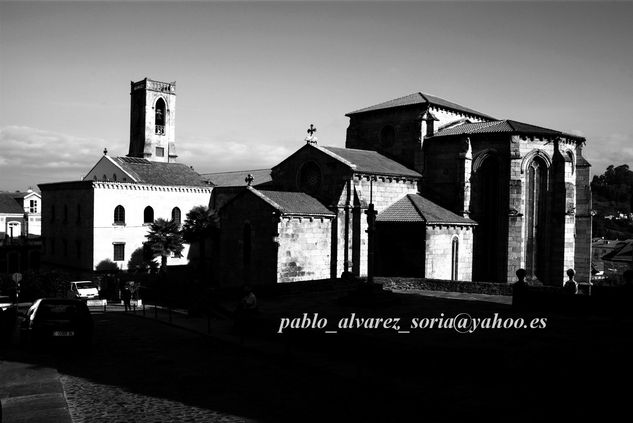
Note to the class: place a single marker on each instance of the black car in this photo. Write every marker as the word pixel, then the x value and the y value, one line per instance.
pixel 58 321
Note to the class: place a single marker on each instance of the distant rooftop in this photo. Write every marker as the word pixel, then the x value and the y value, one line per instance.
pixel 421 98
pixel 238 178
pixel 8 204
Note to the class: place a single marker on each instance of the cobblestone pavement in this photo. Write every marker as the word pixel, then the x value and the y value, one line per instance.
pixel 94 402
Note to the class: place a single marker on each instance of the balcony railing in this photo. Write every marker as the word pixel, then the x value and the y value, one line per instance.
pixel 160 130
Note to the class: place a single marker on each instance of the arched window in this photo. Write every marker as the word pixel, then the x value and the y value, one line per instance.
pixel 175 215
pixel 114 177
pixel 148 215
pixel 455 259
pixel 119 215
pixel 535 218
pixel 387 136
pixel 159 116
pixel 105 178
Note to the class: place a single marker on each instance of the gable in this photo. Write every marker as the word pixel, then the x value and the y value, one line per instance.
pixel 107 169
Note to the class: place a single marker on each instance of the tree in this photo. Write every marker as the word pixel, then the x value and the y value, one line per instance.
pixel 201 224
pixel 163 239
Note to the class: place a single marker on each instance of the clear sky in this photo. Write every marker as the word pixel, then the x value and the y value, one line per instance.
pixel 251 77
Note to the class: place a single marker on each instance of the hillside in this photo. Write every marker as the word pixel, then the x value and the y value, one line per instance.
pixel 613 203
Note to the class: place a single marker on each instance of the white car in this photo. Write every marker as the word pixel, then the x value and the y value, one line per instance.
pixel 5 303
pixel 83 290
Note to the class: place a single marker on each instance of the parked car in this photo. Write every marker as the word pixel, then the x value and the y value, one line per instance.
pixel 59 321
pixel 8 314
pixel 83 290
pixel 6 303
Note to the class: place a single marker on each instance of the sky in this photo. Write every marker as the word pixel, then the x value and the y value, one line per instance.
pixel 252 76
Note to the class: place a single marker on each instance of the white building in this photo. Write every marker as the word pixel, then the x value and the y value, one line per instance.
pixel 106 216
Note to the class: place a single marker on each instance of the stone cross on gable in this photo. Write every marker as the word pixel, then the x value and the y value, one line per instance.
pixel 249 179
pixel 311 139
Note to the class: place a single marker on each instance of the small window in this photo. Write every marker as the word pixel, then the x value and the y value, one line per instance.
pixel 160 152
pixel 114 177
pixel 105 178
pixel 119 252
pixel 175 215
pixel 33 206
pixel 455 259
pixel 119 215
pixel 148 215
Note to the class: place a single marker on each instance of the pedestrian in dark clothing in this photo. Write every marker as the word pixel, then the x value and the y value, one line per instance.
pixel 519 289
pixel 127 296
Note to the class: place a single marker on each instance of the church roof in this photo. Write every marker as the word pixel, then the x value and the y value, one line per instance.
pixel 296 203
pixel 503 127
pixel 369 161
pixel 237 178
pixel 415 208
pixel 157 173
pixel 421 98
pixel 9 205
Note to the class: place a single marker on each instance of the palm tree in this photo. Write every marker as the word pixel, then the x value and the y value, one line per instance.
pixel 163 239
pixel 201 224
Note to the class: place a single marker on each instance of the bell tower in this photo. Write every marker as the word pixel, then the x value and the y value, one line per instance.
pixel 152 120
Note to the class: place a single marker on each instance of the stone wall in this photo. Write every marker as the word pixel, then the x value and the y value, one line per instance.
pixel 407 284
pixel 247 213
pixel 304 251
pixel 582 259
pixel 438 252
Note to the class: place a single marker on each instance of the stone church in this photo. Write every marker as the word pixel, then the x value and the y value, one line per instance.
pixel 457 195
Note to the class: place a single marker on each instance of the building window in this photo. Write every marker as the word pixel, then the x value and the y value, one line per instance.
pixel 175 215
pixel 33 206
pixel 119 252
pixel 119 215
pixel 455 259
pixel 105 178
pixel 114 177
pixel 148 215
pixel 536 233
pixel 159 117
pixel 160 152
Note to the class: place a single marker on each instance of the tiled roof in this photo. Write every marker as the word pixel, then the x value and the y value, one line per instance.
pixel 237 178
pixel 368 161
pixel 9 205
pixel 622 251
pixel 415 208
pixel 421 98
pixel 502 127
pixel 297 203
pixel 156 173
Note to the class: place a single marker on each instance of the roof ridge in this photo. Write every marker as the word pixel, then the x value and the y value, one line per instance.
pixel 416 206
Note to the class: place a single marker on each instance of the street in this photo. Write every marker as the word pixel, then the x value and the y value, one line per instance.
pixel 143 370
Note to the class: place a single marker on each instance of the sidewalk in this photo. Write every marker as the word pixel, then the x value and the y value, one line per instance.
pixel 30 393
